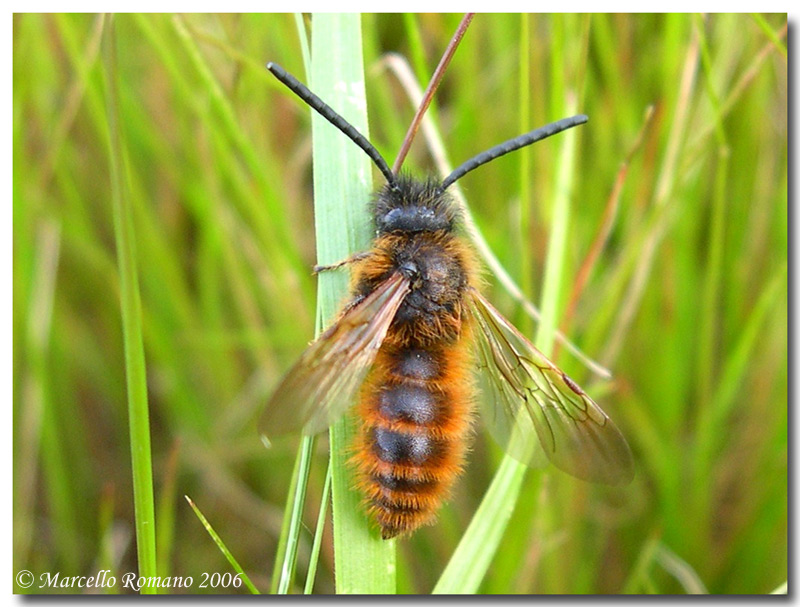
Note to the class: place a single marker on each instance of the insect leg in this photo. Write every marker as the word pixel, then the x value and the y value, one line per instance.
pixel 335 266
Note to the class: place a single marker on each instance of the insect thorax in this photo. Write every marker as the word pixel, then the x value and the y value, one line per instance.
pixel 416 236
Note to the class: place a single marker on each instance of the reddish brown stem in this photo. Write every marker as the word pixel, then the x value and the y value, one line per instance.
pixel 431 90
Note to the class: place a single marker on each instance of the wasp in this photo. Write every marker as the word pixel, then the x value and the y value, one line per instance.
pixel 407 343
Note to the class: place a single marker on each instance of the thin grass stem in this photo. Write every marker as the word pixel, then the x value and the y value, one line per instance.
pixel 136 371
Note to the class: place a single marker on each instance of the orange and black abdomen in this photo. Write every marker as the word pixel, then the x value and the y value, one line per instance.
pixel 416 403
pixel 415 412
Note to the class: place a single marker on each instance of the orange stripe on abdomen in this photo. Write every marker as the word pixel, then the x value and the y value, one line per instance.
pixel 416 412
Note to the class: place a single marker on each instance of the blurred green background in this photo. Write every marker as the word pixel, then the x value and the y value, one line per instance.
pixel 686 301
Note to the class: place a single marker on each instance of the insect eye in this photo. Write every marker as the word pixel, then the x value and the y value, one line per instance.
pixel 409 269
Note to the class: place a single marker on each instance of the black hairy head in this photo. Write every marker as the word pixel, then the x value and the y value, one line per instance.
pixel 409 205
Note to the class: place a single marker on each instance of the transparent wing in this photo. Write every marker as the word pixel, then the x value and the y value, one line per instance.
pixel 323 382
pixel 525 395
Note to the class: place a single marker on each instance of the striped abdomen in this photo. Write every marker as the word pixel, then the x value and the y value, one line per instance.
pixel 415 408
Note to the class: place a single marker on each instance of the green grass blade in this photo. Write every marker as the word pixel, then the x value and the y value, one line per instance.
pixel 477 547
pixel 734 371
pixel 222 547
pixel 364 563
pixel 303 36
pixel 770 33
pixel 557 245
pixel 313 559
pixel 480 541
pixel 289 541
pixel 33 414
pixel 286 560
pixel 138 414
pixel 105 520
pixel 640 571
pixel 524 155
pixel 165 512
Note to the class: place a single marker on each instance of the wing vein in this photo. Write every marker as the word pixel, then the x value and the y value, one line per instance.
pixel 528 398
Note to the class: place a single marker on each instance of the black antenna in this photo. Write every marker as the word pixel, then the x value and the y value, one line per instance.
pixel 324 110
pixel 512 144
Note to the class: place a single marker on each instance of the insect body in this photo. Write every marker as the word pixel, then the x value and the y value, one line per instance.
pixel 416 402
pixel 405 345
